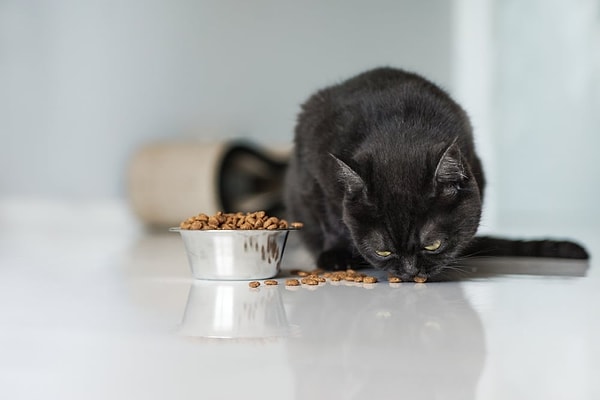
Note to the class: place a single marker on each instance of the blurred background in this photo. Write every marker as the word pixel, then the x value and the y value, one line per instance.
pixel 86 85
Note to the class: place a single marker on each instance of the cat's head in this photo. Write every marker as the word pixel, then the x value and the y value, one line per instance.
pixel 413 217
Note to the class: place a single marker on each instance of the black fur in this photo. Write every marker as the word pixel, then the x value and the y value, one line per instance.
pixel 385 161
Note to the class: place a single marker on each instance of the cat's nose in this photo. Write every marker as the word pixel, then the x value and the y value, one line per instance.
pixel 409 264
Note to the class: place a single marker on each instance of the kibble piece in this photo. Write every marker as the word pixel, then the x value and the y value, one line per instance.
pixel 254 284
pixel 202 217
pixel 335 278
pixel 394 279
pixel 221 217
pixel 420 279
pixel 310 281
pixel 196 225
pixel 303 273
pixel 213 221
pixel 297 225
pixel 272 220
pixel 369 279
pixel 270 282
pixel 292 282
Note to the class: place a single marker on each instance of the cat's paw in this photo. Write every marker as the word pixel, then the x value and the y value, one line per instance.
pixel 335 260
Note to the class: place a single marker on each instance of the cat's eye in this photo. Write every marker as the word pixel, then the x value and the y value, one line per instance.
pixel 383 253
pixel 433 246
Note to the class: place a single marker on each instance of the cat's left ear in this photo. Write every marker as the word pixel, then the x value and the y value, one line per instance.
pixel 450 168
pixel 353 183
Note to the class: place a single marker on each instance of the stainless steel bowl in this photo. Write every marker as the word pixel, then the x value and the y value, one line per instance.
pixel 234 254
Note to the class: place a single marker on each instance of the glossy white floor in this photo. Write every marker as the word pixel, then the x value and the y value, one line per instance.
pixel 91 308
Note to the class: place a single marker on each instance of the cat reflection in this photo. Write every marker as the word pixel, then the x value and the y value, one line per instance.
pixel 420 341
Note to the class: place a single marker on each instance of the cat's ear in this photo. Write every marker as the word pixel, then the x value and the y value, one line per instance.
pixel 353 183
pixel 450 168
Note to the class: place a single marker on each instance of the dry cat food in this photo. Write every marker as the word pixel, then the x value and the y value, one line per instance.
pixel 316 276
pixel 239 220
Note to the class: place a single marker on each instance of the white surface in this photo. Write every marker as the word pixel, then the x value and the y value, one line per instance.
pixel 92 308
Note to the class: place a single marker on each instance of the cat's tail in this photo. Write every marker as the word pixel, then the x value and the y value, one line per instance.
pixel 488 246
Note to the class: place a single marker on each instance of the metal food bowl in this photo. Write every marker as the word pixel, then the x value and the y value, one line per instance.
pixel 234 254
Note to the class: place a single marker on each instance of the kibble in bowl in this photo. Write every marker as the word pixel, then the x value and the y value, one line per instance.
pixel 234 246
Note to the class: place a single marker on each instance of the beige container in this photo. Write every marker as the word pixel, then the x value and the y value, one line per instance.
pixel 168 182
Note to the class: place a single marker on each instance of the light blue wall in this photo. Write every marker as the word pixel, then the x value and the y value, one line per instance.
pixel 83 83
pixel 547 112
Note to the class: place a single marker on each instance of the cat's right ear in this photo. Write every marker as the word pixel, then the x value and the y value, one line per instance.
pixel 353 183
pixel 450 168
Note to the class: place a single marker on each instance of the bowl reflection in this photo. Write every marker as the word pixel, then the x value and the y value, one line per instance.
pixel 233 310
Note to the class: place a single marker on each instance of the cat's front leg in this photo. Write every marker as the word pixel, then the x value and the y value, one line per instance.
pixel 335 252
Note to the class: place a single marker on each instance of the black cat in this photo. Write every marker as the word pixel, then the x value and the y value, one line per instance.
pixel 384 171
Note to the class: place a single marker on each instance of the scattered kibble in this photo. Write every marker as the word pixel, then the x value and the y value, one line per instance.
pixel 316 276
pixel 313 278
